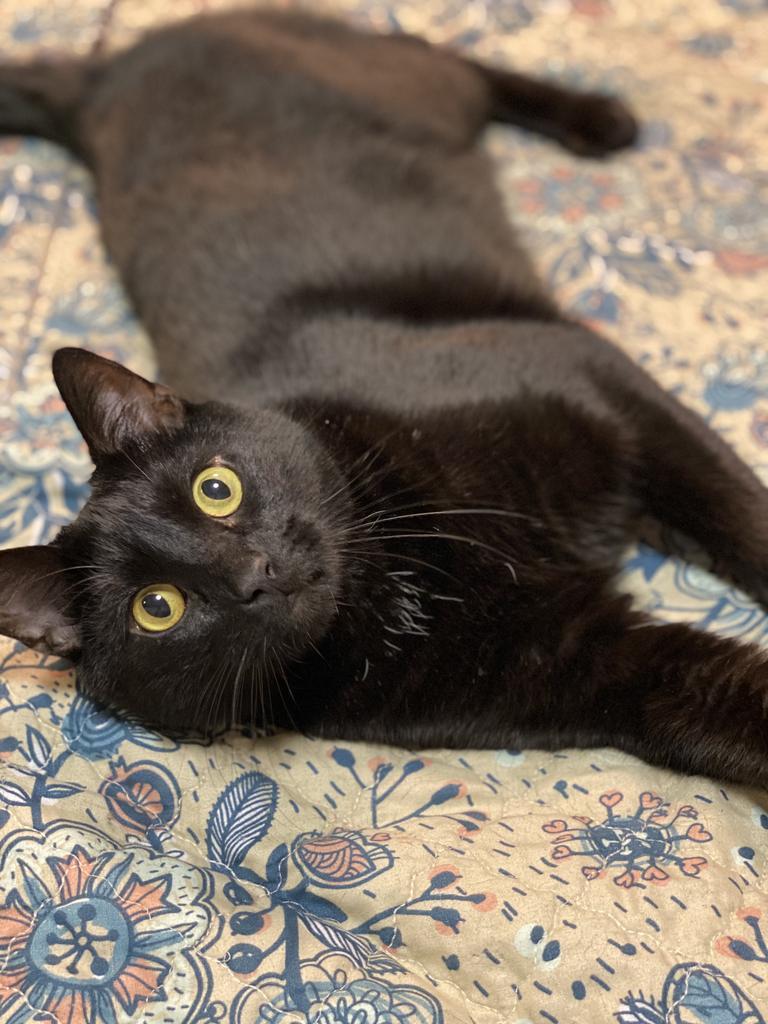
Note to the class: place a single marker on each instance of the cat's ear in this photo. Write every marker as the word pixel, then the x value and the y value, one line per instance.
pixel 111 405
pixel 34 601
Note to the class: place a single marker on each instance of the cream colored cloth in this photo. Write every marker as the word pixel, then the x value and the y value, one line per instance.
pixel 279 879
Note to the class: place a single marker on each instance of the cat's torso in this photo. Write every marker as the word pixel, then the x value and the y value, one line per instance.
pixel 285 200
pixel 305 215
pixel 432 471
pixel 472 571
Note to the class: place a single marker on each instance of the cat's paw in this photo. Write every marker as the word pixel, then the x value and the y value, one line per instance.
pixel 598 125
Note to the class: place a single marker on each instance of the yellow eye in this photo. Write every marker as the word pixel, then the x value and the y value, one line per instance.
pixel 158 608
pixel 217 491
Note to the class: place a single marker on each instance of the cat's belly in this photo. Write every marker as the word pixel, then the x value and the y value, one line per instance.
pixel 314 264
pixel 424 369
pixel 311 169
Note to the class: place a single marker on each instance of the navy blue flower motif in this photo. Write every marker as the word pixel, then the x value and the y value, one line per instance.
pixel 646 560
pixel 736 378
pixel 692 991
pixel 710 44
pixel 335 991
pixel 746 6
pixel 756 950
pixel 95 733
pixel 637 845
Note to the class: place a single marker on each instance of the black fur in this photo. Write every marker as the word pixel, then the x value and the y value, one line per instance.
pixel 439 467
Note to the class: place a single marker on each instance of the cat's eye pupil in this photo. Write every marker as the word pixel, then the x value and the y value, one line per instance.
pixel 156 606
pixel 216 490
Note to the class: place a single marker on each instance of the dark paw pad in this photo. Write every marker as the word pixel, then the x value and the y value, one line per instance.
pixel 599 125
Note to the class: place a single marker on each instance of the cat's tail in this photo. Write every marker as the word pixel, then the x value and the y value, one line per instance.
pixel 587 123
pixel 43 98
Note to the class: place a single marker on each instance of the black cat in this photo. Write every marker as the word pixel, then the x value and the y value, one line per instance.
pixel 392 501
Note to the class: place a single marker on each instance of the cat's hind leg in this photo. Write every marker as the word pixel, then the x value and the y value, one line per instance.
pixel 687 477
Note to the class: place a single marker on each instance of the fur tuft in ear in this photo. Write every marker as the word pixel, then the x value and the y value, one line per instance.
pixel 34 606
pixel 111 405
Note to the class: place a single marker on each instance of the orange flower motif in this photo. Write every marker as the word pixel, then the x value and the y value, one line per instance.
pixel 89 933
pixel 656 875
pixel 340 858
pixel 489 903
pixel 724 948
pixel 734 262
pixel 692 865
pixel 628 879
pixel 749 912
pixel 698 833
pixel 686 811
pixel 649 800
pixel 611 799
pixel 142 796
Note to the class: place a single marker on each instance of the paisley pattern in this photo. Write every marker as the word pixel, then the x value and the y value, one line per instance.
pixel 275 879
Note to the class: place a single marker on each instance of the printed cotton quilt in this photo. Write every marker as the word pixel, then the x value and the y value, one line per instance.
pixel 276 880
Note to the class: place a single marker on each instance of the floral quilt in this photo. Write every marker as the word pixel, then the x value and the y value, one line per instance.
pixel 275 880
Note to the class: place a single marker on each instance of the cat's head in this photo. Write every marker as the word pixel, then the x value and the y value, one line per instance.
pixel 206 557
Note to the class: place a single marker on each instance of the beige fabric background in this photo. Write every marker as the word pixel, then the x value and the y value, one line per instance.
pixel 281 879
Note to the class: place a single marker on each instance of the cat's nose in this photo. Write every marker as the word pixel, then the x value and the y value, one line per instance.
pixel 258 578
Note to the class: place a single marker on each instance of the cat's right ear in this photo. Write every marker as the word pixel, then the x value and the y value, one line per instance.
pixel 35 605
pixel 110 404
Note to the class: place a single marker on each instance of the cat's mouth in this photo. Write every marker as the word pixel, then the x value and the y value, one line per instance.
pixel 269 573
pixel 269 589
pixel 287 610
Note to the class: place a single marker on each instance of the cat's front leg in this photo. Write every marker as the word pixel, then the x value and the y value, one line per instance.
pixel 683 699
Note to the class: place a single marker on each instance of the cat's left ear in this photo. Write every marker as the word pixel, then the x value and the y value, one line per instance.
pixel 111 405
pixel 35 605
